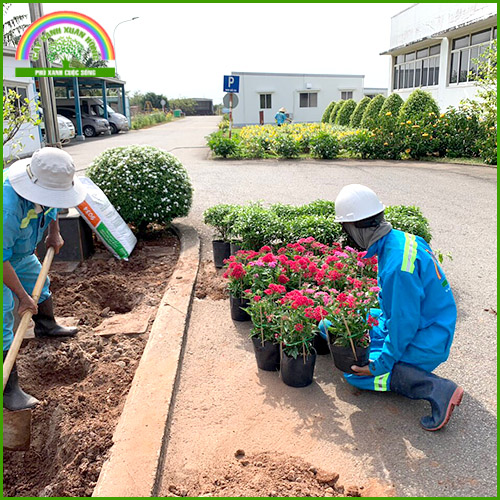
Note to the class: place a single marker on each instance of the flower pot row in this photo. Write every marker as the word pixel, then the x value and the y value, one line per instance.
pixel 222 250
pixel 297 372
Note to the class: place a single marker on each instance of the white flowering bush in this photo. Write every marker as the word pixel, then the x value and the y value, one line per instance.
pixel 145 184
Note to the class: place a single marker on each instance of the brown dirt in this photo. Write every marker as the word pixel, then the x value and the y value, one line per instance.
pixel 82 383
pixel 264 475
pixel 210 283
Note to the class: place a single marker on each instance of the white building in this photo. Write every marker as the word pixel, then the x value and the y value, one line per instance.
pixel 28 137
pixel 433 47
pixel 304 96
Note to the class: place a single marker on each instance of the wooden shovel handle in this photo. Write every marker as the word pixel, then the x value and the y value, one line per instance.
pixel 25 320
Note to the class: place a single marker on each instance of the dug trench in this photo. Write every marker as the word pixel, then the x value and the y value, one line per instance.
pixel 82 383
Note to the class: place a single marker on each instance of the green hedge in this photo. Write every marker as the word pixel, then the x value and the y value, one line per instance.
pixel 328 111
pixel 255 225
pixel 344 115
pixel 370 118
pixel 357 115
pixel 335 111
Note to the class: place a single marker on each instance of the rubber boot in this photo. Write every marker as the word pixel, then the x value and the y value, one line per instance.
pixel 45 323
pixel 14 398
pixel 442 394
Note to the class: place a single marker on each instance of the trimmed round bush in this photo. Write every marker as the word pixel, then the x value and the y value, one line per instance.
pixel 345 112
pixel 328 111
pixel 393 105
pixel 145 184
pixel 335 111
pixel 324 145
pixel 358 112
pixel 419 106
pixel 370 118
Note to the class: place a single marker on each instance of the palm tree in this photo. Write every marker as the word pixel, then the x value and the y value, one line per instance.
pixel 14 28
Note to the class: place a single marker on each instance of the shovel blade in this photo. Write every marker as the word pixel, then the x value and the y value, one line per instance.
pixel 16 430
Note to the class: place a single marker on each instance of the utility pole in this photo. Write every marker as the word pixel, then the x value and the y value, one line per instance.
pixel 47 95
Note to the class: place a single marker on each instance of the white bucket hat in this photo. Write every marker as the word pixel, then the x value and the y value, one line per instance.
pixel 48 178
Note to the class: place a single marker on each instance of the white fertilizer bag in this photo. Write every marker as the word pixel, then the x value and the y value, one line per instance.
pixel 106 222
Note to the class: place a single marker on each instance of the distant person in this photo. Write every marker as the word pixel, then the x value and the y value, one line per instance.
pixel 417 315
pixel 33 190
pixel 281 117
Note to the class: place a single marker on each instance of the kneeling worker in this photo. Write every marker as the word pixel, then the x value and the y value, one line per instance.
pixel 30 188
pixel 418 311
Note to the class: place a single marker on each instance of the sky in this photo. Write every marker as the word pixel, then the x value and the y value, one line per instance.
pixel 184 50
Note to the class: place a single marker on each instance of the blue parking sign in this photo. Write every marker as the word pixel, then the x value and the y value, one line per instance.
pixel 231 83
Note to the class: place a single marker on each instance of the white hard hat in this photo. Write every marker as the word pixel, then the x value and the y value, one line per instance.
pixel 47 178
pixel 356 202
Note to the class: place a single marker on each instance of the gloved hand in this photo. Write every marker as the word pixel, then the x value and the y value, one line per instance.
pixel 323 326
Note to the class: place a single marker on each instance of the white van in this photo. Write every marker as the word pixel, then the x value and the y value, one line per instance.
pixel 93 106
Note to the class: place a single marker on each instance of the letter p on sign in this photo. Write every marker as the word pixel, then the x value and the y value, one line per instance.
pixel 231 83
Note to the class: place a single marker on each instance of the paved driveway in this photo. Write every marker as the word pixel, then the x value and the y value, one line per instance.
pixel 460 203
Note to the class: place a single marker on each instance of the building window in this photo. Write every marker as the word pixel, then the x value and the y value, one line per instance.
pixel 21 91
pixel 416 69
pixel 345 95
pixel 465 51
pixel 308 100
pixel 265 101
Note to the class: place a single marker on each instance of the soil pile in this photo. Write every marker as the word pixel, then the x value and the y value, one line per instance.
pixel 210 283
pixel 265 475
pixel 82 382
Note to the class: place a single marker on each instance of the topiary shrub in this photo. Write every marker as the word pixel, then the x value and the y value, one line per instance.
pixel 335 111
pixel 420 106
pixel 345 112
pixel 145 184
pixel 324 145
pixel 328 111
pixel 370 118
pixel 389 112
pixel 358 112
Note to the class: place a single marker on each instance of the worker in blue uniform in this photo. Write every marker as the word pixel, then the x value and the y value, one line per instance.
pixel 417 316
pixel 33 190
pixel 281 118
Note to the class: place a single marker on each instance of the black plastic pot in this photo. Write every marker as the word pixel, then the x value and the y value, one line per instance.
pixel 343 357
pixel 320 345
pixel 222 251
pixel 234 247
pixel 237 314
pixel 267 355
pixel 296 372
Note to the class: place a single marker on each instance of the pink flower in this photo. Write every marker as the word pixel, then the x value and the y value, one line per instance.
pixel 299 327
pixel 257 298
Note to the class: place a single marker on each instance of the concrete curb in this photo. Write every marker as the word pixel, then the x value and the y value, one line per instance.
pixel 131 469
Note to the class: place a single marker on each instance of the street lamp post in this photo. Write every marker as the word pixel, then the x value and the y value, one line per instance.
pixel 114 45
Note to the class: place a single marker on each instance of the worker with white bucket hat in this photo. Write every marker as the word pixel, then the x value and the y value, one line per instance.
pixel 33 190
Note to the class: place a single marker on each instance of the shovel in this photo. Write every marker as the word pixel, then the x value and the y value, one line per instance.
pixel 17 424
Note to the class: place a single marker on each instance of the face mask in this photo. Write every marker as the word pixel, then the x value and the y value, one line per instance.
pixel 365 237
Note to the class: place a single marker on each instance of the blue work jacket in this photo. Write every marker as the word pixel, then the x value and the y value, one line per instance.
pixel 23 228
pixel 418 308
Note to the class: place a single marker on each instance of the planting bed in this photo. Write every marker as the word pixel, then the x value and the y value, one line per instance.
pixel 82 383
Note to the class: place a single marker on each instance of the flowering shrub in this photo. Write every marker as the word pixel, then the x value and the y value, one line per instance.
pixel 324 145
pixel 221 145
pixel 418 106
pixel 144 183
pixel 290 290
pixel 286 146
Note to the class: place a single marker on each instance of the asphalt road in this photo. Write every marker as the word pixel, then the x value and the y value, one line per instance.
pixel 460 203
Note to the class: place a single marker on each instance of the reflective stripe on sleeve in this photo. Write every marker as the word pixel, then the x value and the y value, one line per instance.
pixel 30 215
pixel 380 382
pixel 410 253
